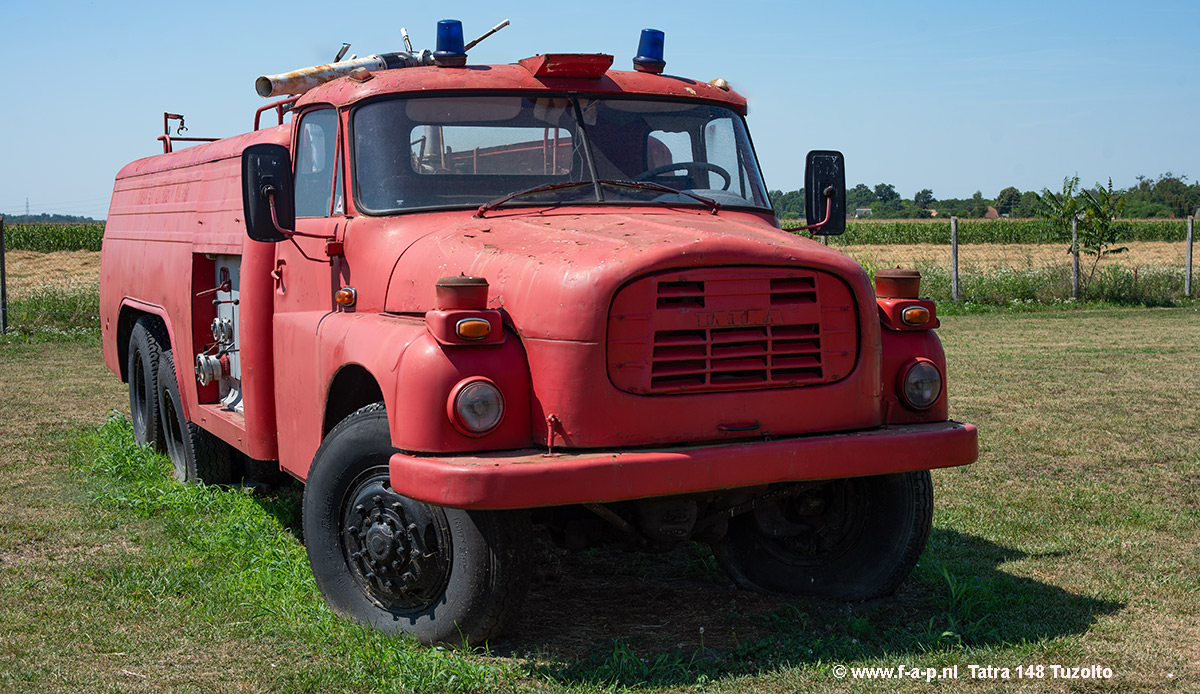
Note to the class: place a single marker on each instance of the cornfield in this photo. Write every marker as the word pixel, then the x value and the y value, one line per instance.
pixel 1010 231
pixel 47 238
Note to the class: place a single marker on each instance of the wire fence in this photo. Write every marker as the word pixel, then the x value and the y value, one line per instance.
pixel 977 264
pixel 49 278
pixel 49 274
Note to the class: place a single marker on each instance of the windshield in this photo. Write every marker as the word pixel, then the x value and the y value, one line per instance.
pixel 467 150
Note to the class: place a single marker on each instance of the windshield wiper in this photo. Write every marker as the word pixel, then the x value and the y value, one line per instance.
pixel 645 185
pixel 639 185
pixel 528 191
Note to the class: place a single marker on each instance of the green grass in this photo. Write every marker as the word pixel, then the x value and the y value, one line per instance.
pixel 1116 285
pixel 228 556
pixel 1071 541
pixel 47 238
pixel 971 231
pixel 57 311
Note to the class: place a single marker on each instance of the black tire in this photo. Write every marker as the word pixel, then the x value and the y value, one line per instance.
pixel 146 342
pixel 848 539
pixel 197 455
pixel 443 575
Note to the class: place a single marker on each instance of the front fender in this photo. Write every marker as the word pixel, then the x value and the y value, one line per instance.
pixel 428 372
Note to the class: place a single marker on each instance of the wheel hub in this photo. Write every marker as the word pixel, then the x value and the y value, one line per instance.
pixel 397 547
pixel 813 528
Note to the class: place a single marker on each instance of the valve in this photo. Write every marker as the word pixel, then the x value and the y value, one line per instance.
pixel 210 369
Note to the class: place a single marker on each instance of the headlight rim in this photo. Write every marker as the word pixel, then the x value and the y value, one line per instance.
pixel 906 372
pixel 452 411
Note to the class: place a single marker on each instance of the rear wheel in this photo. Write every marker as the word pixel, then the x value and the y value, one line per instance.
pixel 197 455
pixel 403 566
pixel 848 539
pixel 146 342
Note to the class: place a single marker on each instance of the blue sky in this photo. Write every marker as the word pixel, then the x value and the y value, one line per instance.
pixel 951 96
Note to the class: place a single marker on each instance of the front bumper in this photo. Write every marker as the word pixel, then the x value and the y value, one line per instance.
pixel 530 478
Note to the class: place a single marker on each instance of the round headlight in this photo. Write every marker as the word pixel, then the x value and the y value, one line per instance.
pixel 922 385
pixel 476 407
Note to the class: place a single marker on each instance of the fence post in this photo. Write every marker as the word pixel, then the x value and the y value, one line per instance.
pixel 1187 273
pixel 4 283
pixel 1075 259
pixel 954 258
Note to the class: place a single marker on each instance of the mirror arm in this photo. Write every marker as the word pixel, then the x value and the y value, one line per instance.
pixel 269 191
pixel 829 193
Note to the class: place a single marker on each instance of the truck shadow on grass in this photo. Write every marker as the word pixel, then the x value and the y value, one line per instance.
pixel 611 617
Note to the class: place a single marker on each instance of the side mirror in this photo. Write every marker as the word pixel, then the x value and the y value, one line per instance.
pixel 267 176
pixel 825 190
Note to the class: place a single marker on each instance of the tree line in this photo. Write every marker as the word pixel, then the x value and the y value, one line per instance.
pixel 46 219
pixel 1163 197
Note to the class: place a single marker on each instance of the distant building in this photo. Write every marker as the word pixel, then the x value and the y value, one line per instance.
pixel 991 213
pixel 862 212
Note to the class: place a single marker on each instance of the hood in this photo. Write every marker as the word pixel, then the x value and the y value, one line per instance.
pixel 554 272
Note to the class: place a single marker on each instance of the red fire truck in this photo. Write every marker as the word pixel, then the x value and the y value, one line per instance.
pixel 458 300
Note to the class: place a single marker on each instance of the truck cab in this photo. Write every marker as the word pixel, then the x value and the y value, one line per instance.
pixel 456 300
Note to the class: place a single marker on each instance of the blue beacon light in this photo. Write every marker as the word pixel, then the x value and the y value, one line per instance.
pixel 650 52
pixel 450 51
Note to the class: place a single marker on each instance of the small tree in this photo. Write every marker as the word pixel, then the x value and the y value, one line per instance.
pixel 1100 233
pixel 1060 209
pixel 924 198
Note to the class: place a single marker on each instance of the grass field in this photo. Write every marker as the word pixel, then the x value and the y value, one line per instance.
pixel 1074 541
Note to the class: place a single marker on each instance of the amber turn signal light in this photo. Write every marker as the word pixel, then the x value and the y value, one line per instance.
pixel 473 328
pixel 915 315
pixel 346 296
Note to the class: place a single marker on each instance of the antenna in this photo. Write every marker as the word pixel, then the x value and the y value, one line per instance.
pixel 486 34
pixel 407 43
pixel 342 53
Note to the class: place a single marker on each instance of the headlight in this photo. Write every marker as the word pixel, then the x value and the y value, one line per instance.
pixel 922 385
pixel 476 406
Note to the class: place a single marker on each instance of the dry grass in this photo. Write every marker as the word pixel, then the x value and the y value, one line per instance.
pixel 997 255
pixel 29 270
pixel 1072 541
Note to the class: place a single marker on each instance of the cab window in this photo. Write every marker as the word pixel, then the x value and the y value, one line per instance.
pixel 316 163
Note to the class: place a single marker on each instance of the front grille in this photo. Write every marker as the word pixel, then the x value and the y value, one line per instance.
pixel 731 329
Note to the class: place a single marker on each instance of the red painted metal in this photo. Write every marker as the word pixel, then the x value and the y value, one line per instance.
pixel 583 65
pixel 520 479
pixel 573 298
pixel 429 80
pixel 731 329
pixel 818 225
pixel 167 138
pixel 280 108
pixel 891 310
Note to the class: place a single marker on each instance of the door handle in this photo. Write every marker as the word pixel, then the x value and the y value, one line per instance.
pixel 277 275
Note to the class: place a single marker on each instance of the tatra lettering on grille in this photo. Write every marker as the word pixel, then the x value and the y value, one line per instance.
pixel 731 329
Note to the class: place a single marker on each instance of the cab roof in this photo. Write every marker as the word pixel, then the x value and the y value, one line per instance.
pixel 346 91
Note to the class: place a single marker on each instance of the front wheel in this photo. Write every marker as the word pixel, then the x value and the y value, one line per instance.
pixel 847 539
pixel 384 560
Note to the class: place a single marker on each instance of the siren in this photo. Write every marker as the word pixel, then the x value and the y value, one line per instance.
pixel 650 52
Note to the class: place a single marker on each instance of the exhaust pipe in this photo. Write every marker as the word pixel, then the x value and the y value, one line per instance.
pixel 304 79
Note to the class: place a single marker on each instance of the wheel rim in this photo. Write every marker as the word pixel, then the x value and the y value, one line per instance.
pixel 814 528
pixel 397 548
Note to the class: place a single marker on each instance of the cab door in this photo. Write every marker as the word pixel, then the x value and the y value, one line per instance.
pixel 306 278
